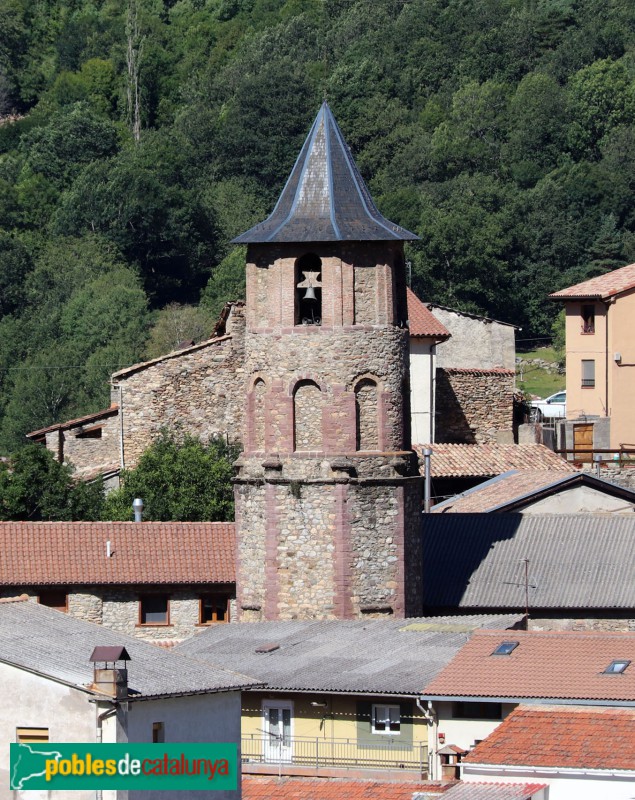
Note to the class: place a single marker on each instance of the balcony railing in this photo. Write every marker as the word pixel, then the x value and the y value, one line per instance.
pixel 337 753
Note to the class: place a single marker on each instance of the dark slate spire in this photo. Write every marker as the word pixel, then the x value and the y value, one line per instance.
pixel 325 198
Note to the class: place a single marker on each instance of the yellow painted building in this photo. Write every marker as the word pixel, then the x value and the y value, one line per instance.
pixel 322 731
pixel 600 346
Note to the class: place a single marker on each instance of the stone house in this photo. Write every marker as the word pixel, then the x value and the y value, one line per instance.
pixel 51 694
pixel 157 581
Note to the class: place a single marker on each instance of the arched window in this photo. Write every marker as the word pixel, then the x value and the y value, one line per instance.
pixel 259 414
pixel 367 418
pixel 308 290
pixel 307 416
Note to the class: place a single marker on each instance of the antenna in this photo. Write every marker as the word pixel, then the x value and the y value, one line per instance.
pixel 524 583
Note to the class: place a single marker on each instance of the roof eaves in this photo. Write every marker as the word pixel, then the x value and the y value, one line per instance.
pixel 527 700
pixel 474 316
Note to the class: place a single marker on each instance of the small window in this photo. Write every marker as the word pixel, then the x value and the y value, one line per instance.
pixel 213 608
pixel 31 735
pixel 90 433
pixel 505 648
pixel 154 609
pixel 158 732
pixel 386 719
pixel 588 319
pixel 588 373
pixel 57 599
pixel 616 667
pixel 475 710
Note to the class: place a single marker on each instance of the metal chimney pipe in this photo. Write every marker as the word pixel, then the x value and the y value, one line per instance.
pixel 137 507
pixel 427 479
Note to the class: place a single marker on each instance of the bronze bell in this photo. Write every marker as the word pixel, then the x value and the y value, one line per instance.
pixel 309 294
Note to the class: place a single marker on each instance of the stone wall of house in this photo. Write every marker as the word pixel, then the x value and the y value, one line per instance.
pixel 476 342
pixel 616 623
pixel 118 608
pixel 474 406
pixel 199 390
pixel 89 455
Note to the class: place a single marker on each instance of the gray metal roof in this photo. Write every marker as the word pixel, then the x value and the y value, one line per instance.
pixel 325 198
pixel 54 644
pixel 492 791
pixel 394 656
pixel 584 561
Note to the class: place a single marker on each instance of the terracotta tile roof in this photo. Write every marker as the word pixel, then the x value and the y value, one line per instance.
pixel 563 665
pixel 493 791
pixel 549 737
pixel 47 553
pixel 474 460
pixel 422 322
pixel 256 788
pixel 603 286
pixel 73 423
pixel 510 487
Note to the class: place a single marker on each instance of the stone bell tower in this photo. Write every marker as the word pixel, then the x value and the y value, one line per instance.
pixel 327 492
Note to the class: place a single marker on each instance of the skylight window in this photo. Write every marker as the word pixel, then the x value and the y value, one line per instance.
pixel 617 667
pixel 505 648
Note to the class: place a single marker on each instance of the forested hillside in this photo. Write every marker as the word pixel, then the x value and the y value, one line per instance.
pixel 138 136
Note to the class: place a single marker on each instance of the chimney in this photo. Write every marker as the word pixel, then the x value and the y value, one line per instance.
pixel 110 674
pixel 137 507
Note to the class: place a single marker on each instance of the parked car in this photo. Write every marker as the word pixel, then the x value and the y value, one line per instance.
pixel 553 407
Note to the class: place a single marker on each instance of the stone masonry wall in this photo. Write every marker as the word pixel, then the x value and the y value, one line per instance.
pixel 199 390
pixel 118 608
pixel 335 361
pixel 91 455
pixel 332 547
pixel 305 546
pixel 474 406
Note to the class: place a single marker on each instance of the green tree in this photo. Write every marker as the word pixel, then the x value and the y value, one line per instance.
pixel 178 479
pixel 34 486
pixel 178 323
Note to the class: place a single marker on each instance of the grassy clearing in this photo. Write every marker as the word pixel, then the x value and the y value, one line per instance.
pixel 537 381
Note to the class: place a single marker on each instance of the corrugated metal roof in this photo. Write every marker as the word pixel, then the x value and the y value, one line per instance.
pixel 74 553
pixel 51 643
pixel 575 560
pixel 325 198
pixel 493 791
pixel 380 656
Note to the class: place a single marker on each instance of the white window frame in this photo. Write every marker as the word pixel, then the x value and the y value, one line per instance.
pixel 385 709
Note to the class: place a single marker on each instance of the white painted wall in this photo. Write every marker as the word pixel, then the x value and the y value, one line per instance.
pixel 461 732
pixel 579 499
pixel 422 388
pixel 563 784
pixel 31 701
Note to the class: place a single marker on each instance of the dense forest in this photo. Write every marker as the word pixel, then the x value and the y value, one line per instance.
pixel 137 137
